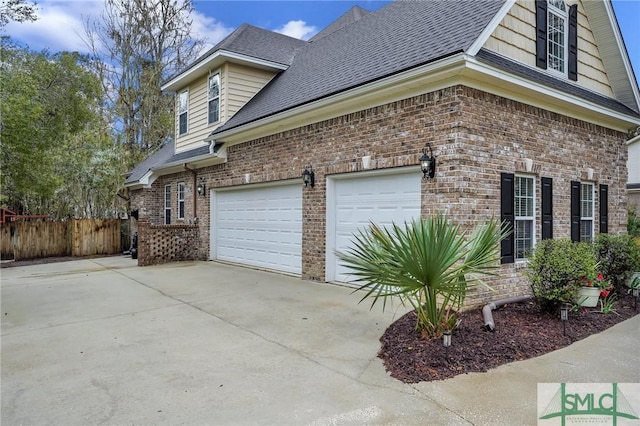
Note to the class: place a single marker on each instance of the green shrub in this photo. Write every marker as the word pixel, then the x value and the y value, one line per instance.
pixel 617 257
pixel 633 222
pixel 555 269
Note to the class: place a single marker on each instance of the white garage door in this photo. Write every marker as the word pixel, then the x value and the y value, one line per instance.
pixel 355 202
pixel 259 227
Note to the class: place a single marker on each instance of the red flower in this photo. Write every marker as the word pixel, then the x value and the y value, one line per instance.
pixel 600 277
pixel 604 293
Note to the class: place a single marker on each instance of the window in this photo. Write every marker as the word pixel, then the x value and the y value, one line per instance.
pixel 167 205
pixel 586 212
pixel 557 37
pixel 524 201
pixel 181 200
pixel 214 98
pixel 183 111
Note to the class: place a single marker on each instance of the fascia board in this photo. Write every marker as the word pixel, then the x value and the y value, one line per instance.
pixel 434 75
pixel 490 28
pixel 548 98
pixel 216 59
pixel 623 53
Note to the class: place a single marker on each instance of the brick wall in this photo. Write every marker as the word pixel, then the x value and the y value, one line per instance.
pixel 475 136
pixel 166 243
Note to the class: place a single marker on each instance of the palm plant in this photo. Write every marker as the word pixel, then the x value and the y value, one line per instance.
pixel 427 263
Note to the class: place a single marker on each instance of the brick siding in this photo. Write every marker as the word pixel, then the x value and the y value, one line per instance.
pixel 475 136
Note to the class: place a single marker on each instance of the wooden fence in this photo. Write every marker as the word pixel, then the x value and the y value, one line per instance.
pixel 74 237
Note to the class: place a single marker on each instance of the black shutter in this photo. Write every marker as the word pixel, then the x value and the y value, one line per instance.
pixel 573 43
pixel 575 211
pixel 547 208
pixel 507 216
pixel 604 209
pixel 541 34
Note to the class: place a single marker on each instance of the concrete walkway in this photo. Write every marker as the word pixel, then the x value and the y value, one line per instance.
pixel 103 341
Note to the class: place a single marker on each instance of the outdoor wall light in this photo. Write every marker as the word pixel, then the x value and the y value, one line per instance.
pixel 564 316
pixel 200 188
pixel 446 342
pixel 308 176
pixel 428 163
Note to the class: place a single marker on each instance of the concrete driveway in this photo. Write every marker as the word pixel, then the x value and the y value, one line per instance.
pixel 103 341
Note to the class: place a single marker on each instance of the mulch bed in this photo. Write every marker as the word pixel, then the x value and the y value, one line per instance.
pixel 521 332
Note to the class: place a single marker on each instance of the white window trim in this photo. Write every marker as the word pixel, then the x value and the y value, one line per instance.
pixel 167 202
pixel 180 196
pixel 564 15
pixel 532 218
pixel 593 210
pixel 209 99
pixel 185 112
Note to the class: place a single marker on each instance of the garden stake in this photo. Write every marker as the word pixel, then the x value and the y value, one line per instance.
pixel 446 341
pixel 564 316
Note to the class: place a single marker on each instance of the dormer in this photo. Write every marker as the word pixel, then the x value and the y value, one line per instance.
pixel 220 82
pixel 567 39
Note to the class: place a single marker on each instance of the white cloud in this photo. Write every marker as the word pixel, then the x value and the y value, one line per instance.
pixel 59 26
pixel 297 29
pixel 208 29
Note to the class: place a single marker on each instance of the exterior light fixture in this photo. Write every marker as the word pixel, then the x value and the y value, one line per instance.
pixel 428 163
pixel 446 342
pixel 201 188
pixel 564 316
pixel 635 294
pixel 308 176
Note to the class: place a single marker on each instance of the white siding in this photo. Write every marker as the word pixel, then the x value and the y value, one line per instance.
pixel 243 84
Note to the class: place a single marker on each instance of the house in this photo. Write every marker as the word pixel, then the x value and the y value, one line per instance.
pixel 524 107
pixel 633 165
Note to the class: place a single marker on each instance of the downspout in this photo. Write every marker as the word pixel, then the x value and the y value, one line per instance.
pixel 193 190
pixel 486 311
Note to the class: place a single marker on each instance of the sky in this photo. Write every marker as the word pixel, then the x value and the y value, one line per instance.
pixel 60 23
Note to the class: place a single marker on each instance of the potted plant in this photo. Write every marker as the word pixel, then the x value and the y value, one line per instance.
pixel 591 288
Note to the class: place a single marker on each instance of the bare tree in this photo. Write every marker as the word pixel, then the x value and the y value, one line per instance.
pixel 136 44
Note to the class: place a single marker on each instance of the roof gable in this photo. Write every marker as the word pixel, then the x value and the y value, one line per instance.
pixel 249 45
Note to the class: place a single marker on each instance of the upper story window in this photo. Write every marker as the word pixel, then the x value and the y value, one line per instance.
pixel 183 112
pixel 214 98
pixel 557 36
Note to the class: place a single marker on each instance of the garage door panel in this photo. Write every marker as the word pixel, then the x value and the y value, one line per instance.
pixel 382 199
pixel 260 227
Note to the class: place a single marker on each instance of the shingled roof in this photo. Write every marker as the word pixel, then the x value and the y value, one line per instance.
pixel 397 37
pixel 156 159
pixel 352 15
pixel 254 42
